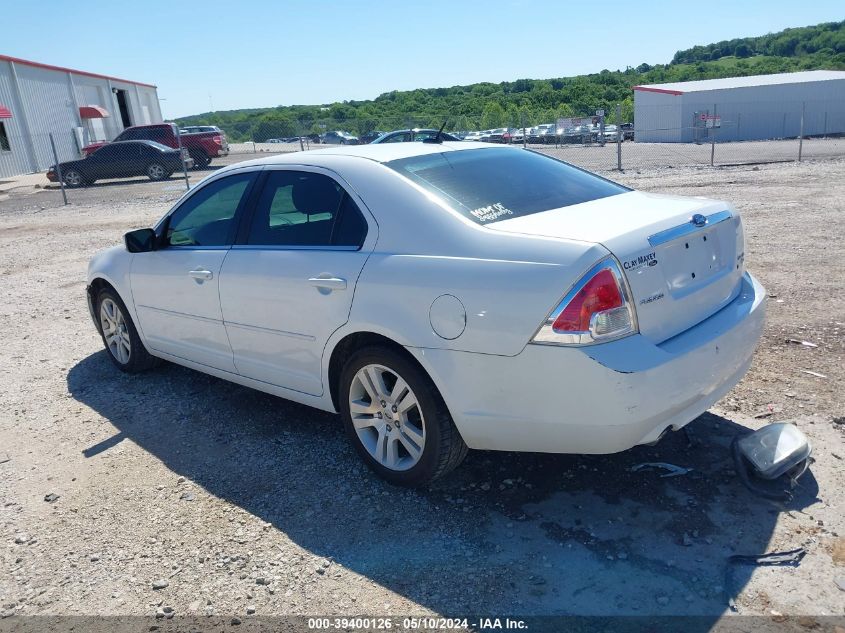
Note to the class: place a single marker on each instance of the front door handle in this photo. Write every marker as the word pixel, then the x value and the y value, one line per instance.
pixel 202 275
pixel 328 283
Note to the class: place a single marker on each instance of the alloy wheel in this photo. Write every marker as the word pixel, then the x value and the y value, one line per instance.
pixel 387 417
pixel 73 178
pixel 155 171
pixel 115 331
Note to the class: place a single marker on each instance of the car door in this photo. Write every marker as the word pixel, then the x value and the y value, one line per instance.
pixel 287 284
pixel 104 163
pixel 134 160
pixel 176 287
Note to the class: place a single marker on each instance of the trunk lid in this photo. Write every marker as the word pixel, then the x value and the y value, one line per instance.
pixel 679 272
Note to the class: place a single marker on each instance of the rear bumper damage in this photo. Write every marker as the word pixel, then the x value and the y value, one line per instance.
pixel 601 398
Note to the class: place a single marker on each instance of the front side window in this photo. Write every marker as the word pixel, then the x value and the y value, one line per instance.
pixel 488 185
pixel 207 218
pixel 298 208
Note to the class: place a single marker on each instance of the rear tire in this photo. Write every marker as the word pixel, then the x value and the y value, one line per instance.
pixel 157 171
pixel 396 419
pixel 119 335
pixel 201 159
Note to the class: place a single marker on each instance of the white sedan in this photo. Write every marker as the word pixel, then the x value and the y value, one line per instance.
pixel 442 296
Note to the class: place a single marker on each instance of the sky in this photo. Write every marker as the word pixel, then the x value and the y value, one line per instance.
pixel 223 55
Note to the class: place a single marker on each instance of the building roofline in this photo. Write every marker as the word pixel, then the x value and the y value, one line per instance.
pixel 26 62
pixel 744 82
pixel 660 90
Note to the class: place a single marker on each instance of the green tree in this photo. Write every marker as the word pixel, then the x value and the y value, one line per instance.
pixel 493 116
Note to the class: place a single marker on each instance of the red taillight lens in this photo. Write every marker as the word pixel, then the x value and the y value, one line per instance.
pixel 595 310
pixel 218 139
pixel 599 294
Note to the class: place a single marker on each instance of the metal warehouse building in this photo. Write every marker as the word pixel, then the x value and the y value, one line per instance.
pixel 76 107
pixel 741 108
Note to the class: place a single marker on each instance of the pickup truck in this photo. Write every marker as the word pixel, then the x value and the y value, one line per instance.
pixel 201 146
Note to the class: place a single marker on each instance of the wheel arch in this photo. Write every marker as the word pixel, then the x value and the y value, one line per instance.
pixel 355 341
pixel 95 287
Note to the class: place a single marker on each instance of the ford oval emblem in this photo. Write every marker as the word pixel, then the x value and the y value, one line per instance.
pixel 698 220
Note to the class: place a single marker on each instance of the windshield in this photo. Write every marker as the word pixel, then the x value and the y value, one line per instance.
pixel 487 185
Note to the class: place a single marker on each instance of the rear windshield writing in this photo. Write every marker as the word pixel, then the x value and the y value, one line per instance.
pixel 491 212
pixel 490 185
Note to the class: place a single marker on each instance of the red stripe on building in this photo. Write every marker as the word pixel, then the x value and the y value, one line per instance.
pixel 26 62
pixel 661 90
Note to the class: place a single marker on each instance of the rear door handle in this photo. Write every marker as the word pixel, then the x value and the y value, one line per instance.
pixel 329 283
pixel 202 275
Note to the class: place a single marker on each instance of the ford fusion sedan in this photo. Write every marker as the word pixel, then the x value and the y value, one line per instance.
pixel 440 297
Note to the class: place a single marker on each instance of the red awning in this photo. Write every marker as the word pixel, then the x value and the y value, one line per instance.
pixel 93 112
pixel 5 113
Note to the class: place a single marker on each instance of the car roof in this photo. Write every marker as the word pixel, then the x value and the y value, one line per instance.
pixel 140 141
pixel 380 153
pixel 155 145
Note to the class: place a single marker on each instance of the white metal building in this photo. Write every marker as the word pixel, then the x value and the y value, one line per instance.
pixel 77 107
pixel 741 108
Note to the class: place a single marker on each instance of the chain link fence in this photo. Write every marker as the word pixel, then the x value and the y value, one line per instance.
pixel 699 134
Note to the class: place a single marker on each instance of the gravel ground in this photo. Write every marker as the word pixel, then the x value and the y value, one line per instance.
pixel 175 489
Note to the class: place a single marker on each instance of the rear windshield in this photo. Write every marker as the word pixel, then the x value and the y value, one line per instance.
pixel 487 185
pixel 159 146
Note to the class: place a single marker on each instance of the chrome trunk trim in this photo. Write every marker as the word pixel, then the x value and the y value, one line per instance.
pixel 687 228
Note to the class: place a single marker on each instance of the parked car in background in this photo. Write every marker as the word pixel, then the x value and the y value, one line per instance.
pixel 628 131
pixel 123 159
pixel 201 146
pixel 617 316
pixel 338 137
pixel 369 137
pixel 472 136
pixel 414 135
pixel 609 134
pixel 499 135
pixel 545 133
pixel 579 134
pixel 516 135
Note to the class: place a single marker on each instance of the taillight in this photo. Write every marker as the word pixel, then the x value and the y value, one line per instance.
pixel 218 139
pixel 596 309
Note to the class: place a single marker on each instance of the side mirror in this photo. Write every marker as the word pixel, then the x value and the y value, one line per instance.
pixel 140 241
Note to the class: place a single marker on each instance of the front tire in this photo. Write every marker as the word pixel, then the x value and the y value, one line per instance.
pixel 396 418
pixel 119 335
pixel 73 178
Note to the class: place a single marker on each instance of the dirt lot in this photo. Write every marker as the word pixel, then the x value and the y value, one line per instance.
pixel 239 501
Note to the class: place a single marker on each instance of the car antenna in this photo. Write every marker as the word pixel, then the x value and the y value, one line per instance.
pixel 437 139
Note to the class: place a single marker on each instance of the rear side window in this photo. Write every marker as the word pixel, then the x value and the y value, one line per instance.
pixel 487 185
pixel 298 208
